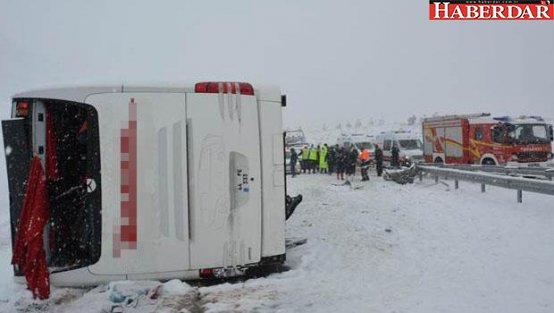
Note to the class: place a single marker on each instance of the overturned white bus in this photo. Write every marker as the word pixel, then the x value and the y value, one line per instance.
pixel 152 182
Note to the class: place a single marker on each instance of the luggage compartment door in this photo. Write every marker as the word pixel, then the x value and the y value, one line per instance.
pixel 224 180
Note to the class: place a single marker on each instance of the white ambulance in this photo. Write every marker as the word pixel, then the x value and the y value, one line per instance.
pixel 359 140
pixel 153 182
pixel 408 143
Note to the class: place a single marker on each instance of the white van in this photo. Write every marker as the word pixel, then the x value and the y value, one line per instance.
pixel 359 140
pixel 409 145
pixel 153 182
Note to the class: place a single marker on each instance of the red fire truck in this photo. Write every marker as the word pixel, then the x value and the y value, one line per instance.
pixel 482 139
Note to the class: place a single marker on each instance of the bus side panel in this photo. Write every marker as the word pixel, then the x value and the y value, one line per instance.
pixel 225 180
pixel 161 215
pixel 273 189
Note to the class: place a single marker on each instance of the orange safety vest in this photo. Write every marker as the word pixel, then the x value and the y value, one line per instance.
pixel 364 155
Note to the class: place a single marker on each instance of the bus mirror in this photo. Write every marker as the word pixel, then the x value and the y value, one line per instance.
pixel 551 133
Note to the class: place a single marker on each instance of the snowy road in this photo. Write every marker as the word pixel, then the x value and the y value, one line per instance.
pixel 392 248
pixel 448 251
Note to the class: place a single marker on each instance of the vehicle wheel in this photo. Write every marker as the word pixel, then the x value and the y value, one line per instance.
pixel 488 161
pixel 439 160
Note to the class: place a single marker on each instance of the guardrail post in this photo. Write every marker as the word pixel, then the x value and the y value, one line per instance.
pixel 456 185
pixel 436 178
pixel 420 174
pixel 519 196
pixel 482 187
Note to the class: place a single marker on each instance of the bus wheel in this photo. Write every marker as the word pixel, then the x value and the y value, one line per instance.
pixel 439 160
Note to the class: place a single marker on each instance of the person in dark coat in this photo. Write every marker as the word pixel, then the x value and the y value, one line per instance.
pixel 395 156
pixel 331 159
pixel 352 158
pixel 378 154
pixel 340 162
pixel 293 160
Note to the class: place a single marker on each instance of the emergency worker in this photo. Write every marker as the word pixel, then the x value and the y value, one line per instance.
pixel 364 160
pixel 340 162
pixel 293 160
pixel 323 165
pixel 378 160
pixel 331 159
pixel 313 159
pixel 304 162
pixel 351 159
pixel 395 152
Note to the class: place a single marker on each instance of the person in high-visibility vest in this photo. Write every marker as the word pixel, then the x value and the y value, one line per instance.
pixel 323 166
pixel 364 158
pixel 305 159
pixel 313 158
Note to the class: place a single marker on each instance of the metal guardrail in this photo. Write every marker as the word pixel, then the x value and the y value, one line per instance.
pixel 487 178
pixel 535 172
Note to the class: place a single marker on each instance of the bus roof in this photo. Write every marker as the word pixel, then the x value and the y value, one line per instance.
pixel 80 93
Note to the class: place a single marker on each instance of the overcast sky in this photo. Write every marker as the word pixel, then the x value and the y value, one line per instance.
pixel 336 60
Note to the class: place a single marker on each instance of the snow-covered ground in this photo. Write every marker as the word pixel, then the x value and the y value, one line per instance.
pixel 382 248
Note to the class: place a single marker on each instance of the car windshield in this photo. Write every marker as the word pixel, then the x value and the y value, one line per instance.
pixel 529 133
pixel 410 144
pixel 365 145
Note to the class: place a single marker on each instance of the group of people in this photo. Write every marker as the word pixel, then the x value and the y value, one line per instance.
pixel 335 159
